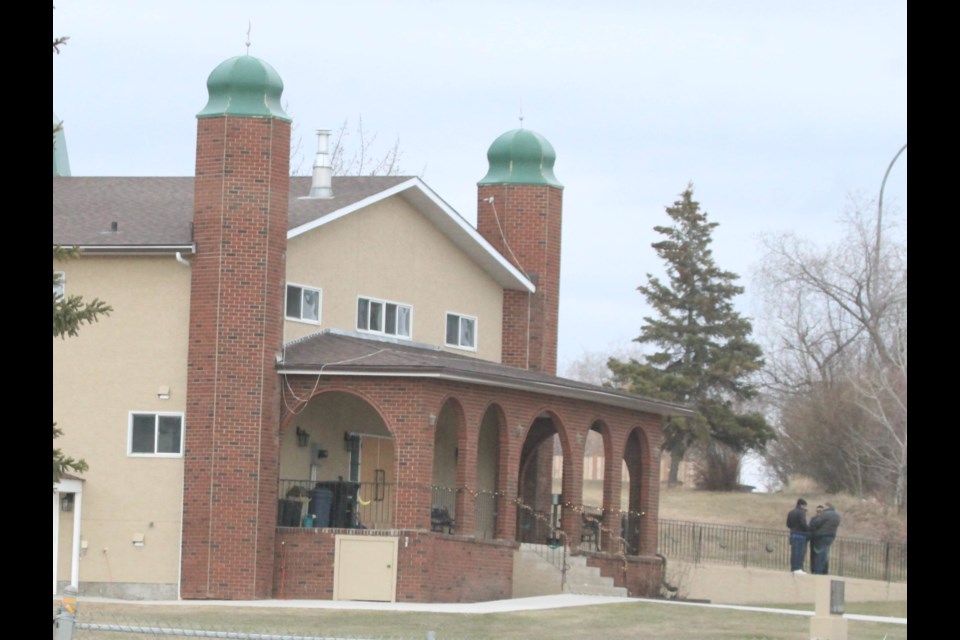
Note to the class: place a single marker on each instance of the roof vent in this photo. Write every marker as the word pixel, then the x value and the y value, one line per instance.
pixel 321 187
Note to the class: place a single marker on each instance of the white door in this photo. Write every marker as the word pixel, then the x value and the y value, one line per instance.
pixel 365 568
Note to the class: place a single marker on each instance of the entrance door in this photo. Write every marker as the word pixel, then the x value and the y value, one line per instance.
pixel 365 568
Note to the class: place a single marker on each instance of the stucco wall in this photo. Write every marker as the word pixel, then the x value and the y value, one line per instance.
pixel 392 252
pixel 113 367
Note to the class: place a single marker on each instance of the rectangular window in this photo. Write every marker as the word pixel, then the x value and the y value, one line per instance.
pixel 59 281
pixel 156 434
pixel 303 303
pixel 380 316
pixel 461 331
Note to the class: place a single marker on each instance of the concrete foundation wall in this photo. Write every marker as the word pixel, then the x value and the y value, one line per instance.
pixel 124 590
pixel 738 585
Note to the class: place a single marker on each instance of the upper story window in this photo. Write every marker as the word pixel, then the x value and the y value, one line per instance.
pixel 155 434
pixel 380 316
pixel 461 331
pixel 303 303
pixel 59 282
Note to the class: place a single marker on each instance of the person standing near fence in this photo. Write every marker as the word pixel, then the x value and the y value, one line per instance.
pixel 797 523
pixel 823 530
pixel 813 520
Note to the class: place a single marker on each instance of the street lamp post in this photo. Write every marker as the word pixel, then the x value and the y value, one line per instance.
pixel 876 253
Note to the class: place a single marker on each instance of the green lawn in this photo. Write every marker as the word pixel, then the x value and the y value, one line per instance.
pixel 630 620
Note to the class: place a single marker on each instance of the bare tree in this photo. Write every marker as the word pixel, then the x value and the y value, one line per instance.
pixel 361 158
pixel 836 359
pixel 591 366
pixel 354 153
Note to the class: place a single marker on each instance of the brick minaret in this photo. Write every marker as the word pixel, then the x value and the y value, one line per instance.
pixel 522 221
pixel 236 331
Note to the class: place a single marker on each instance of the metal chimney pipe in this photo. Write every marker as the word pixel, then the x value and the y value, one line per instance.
pixel 322 185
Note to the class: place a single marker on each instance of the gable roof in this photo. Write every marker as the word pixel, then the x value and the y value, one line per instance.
pixel 142 214
pixel 338 353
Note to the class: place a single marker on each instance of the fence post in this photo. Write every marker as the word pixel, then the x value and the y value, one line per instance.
pixel 66 614
pixel 839 556
pixel 698 539
pixel 745 540
pixel 886 562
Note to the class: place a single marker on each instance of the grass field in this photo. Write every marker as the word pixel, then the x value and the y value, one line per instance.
pixel 861 518
pixel 633 620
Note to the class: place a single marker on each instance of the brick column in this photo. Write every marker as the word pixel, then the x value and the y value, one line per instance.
pixel 236 325
pixel 523 223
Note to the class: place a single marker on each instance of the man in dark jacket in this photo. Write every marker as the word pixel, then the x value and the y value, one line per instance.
pixel 797 523
pixel 823 530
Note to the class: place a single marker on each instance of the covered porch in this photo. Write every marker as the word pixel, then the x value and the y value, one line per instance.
pixel 404 441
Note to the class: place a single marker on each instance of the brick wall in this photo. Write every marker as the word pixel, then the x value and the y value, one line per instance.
pixel 430 567
pixel 231 443
pixel 524 223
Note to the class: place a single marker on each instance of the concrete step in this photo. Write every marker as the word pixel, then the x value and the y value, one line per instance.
pixel 596 590
pixel 536 575
pixel 583 573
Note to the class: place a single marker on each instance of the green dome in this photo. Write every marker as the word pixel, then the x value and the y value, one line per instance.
pixel 244 86
pixel 521 156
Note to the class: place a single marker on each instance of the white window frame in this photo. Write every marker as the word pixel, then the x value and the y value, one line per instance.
pixel 156 416
pixel 60 288
pixel 303 288
pixel 461 317
pixel 383 331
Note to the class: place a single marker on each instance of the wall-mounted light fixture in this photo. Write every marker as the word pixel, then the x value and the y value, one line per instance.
pixel 433 420
pixel 66 501
pixel 303 437
pixel 519 430
pixel 163 393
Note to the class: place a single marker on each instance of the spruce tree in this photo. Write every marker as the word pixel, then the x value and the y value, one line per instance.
pixel 704 357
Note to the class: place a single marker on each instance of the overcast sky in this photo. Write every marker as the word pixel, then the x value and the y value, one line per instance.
pixel 775 111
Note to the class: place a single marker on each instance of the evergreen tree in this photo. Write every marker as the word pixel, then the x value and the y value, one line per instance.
pixel 704 356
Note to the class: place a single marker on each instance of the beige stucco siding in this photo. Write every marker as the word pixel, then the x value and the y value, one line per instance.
pixel 391 252
pixel 113 367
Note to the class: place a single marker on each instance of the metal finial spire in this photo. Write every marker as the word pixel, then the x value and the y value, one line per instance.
pixel 249 26
pixel 521 114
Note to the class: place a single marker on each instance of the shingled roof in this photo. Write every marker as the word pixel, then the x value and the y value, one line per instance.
pixel 335 353
pixel 157 212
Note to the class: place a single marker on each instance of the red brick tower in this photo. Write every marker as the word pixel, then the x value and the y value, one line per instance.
pixel 519 207
pixel 236 332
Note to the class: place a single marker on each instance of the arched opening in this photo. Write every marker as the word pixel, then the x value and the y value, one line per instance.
pixel 446 457
pixel 337 466
pixel 632 501
pixel 594 520
pixel 540 484
pixel 488 472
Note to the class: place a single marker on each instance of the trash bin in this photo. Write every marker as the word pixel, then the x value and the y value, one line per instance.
pixel 289 513
pixel 320 500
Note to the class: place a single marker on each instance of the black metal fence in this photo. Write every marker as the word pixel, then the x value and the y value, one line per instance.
pixel 770 549
pixel 367 505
